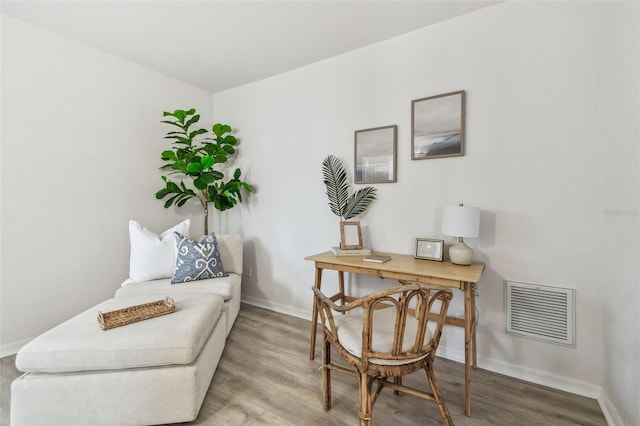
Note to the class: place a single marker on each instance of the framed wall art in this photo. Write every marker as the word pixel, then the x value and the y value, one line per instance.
pixel 437 126
pixel 429 249
pixel 375 153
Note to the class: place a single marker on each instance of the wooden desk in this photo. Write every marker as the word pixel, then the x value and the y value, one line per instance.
pixel 407 268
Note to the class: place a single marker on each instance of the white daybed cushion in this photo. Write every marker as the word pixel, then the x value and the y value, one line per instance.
pixel 153 256
pixel 223 287
pixel 80 345
pixel 230 252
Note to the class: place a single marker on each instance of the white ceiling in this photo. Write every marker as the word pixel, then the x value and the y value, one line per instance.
pixel 217 45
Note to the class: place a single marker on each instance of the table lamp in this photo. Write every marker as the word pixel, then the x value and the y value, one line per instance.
pixel 462 222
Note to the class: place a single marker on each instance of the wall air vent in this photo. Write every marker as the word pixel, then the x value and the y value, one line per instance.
pixel 541 312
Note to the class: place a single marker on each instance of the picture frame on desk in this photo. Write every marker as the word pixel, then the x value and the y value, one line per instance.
pixel 350 235
pixel 429 249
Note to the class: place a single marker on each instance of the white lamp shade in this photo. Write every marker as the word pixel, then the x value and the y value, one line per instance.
pixel 461 221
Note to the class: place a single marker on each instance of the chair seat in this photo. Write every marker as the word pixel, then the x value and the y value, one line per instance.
pixel 349 329
pixel 387 315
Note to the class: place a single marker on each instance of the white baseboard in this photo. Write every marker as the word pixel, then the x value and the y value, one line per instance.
pixel 609 410
pixel 13 348
pixel 277 307
pixel 554 381
pixel 452 354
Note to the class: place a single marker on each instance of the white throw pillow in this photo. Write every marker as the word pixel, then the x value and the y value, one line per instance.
pixel 153 256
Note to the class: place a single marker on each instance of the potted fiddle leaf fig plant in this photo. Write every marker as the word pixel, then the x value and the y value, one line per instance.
pixel 342 201
pixel 197 162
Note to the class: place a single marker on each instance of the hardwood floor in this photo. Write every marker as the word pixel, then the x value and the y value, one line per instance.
pixel 266 378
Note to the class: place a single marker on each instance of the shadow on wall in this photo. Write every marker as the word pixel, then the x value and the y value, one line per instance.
pixel 490 288
pixel 256 273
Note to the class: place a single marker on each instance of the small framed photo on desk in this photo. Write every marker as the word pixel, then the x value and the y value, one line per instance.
pixel 429 249
pixel 350 235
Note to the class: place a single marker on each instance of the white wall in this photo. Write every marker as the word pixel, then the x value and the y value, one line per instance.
pixel 620 110
pixel 532 72
pixel 81 141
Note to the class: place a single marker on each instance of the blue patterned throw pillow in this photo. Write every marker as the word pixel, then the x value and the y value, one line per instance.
pixel 197 260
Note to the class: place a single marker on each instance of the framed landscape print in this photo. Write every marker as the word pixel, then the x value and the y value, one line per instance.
pixel 437 126
pixel 375 153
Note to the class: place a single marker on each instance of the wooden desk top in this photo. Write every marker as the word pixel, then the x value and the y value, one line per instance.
pixel 403 267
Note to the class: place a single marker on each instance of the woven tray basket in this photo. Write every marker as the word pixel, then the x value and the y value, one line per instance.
pixel 135 313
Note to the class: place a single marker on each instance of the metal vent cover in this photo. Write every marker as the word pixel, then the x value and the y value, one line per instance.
pixel 541 312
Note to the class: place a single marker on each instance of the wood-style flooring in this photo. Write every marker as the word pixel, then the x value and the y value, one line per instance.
pixel 266 378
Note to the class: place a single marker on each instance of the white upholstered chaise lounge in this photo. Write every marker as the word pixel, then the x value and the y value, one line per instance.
pixel 150 372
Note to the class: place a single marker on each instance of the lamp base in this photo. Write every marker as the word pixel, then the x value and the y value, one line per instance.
pixel 461 254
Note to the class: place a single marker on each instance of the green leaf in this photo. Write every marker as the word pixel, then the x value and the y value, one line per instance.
pixel 213 192
pixel 192 120
pixel 162 193
pixel 337 186
pixel 220 158
pixel 200 183
pixel 169 155
pixel 230 139
pixel 206 162
pixel 229 149
pixel 179 139
pixel 183 153
pixel 218 175
pixel 180 199
pixel 207 178
pixel 172 123
pixel 220 129
pixel 236 174
pixel 196 133
pixel 359 202
pixel 209 148
pixel 171 186
pixel 180 114
pixel 194 167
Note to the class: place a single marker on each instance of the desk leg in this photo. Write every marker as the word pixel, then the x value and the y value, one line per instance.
pixel 468 325
pixel 474 324
pixel 314 315
pixel 341 287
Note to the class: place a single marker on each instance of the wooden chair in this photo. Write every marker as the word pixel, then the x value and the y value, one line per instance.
pixel 384 336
